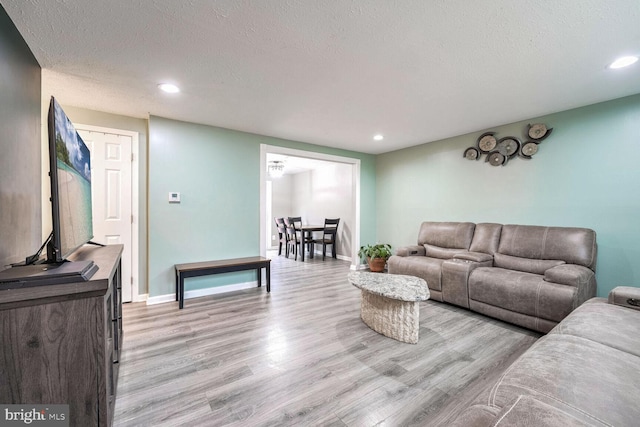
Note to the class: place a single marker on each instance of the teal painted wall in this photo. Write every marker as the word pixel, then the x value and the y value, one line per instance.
pixel 585 174
pixel 217 172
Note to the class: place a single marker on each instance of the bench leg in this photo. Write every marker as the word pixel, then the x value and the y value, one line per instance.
pixel 177 286
pixel 181 298
pixel 259 270
pixel 268 271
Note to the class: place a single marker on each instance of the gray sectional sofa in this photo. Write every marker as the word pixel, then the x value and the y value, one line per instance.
pixel 531 276
pixel 585 372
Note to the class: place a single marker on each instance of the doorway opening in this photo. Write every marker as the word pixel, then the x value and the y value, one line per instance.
pixel 316 206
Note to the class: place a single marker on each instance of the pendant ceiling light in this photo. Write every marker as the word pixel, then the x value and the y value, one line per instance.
pixel 276 169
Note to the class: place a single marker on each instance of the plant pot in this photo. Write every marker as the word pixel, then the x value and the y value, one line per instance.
pixel 376 265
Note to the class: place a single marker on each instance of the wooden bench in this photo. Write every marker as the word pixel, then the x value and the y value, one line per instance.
pixel 195 269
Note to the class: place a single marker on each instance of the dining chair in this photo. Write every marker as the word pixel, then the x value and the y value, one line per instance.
pixel 328 236
pixel 293 236
pixel 306 239
pixel 282 236
pixel 295 220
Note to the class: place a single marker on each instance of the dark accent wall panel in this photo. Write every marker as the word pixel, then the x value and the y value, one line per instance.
pixel 20 149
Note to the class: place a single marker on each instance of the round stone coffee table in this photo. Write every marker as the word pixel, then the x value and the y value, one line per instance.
pixel 391 303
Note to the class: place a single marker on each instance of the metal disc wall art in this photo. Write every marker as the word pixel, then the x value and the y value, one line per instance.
pixel 500 151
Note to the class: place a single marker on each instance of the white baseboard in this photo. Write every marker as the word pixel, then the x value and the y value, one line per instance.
pixel 140 297
pixel 203 292
pixel 161 299
pixel 340 257
pixel 317 252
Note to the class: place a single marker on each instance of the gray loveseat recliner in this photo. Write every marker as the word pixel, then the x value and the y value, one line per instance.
pixel 585 372
pixel 531 276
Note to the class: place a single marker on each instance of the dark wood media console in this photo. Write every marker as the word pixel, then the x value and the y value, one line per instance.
pixel 61 343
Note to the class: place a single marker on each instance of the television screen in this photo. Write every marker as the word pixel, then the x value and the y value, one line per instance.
pixel 70 163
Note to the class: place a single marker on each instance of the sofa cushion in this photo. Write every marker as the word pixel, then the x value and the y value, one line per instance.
pixel 476 416
pixel 429 269
pixel 454 235
pixel 607 324
pixel 524 320
pixel 598 381
pixel 528 411
pixel 442 253
pixel 625 296
pixel 486 238
pixel 521 292
pixel 525 411
pixel 572 245
pixel 474 257
pixel 535 266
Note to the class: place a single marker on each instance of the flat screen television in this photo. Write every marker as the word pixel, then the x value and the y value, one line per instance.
pixel 72 219
pixel 70 173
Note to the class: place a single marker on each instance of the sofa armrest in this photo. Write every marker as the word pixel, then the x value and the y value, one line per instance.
pixel 411 251
pixel 625 296
pixel 578 276
pixel 474 256
pixel 455 278
pixel 569 274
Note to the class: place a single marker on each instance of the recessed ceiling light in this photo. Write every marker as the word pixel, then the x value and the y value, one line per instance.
pixel 625 61
pixel 378 137
pixel 169 88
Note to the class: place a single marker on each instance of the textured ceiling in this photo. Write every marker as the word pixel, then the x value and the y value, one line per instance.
pixel 334 72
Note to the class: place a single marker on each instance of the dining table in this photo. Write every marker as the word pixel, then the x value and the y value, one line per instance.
pixel 307 232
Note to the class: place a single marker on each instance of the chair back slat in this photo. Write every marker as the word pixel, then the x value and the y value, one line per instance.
pixel 292 229
pixel 295 220
pixel 329 234
pixel 280 226
pixel 331 226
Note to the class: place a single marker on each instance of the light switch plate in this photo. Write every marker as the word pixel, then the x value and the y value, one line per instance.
pixel 174 197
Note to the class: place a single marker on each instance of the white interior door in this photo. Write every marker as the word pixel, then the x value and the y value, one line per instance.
pixel 111 195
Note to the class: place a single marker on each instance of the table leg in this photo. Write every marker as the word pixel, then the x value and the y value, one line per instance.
pixel 259 270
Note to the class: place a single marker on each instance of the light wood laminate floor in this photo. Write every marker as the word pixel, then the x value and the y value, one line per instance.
pixel 302 356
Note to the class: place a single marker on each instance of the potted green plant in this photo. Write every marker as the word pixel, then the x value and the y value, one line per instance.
pixel 376 255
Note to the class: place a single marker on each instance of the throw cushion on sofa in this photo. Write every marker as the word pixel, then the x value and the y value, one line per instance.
pixel 535 266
